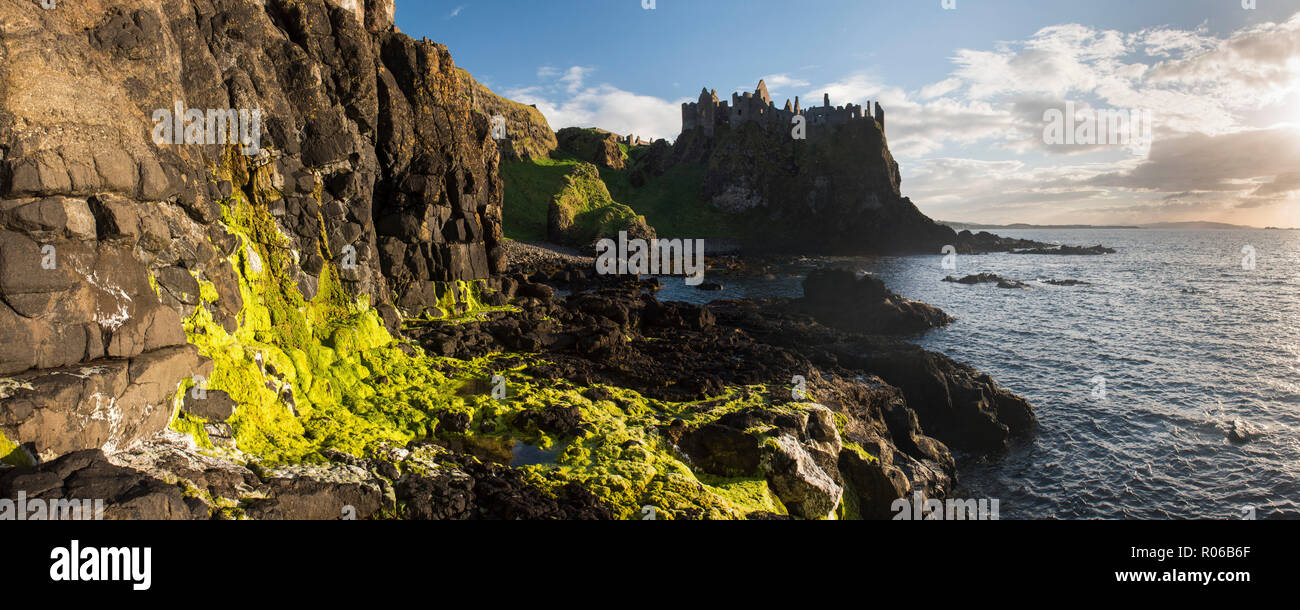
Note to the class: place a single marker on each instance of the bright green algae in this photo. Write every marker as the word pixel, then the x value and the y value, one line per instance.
pixel 306 375
pixel 326 374
pixel 11 454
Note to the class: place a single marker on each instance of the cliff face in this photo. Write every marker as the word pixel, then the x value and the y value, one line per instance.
pixel 526 135
pixel 835 191
pixel 372 171
pixel 207 323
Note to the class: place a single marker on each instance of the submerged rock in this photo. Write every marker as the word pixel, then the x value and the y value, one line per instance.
pixel 983 242
pixel 987 278
pixel 1241 432
pixel 981 278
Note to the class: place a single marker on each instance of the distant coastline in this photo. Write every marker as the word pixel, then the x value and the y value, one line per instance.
pixel 1200 225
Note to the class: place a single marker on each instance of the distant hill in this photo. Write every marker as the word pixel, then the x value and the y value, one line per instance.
pixel 972 226
pixel 1197 225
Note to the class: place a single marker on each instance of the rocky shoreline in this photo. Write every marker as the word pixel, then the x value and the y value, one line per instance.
pixel 878 419
pixel 325 320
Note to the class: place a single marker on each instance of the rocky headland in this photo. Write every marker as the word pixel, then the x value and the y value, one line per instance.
pixel 325 320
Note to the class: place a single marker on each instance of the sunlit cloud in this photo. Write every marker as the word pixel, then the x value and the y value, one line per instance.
pixel 1225 108
pixel 567 100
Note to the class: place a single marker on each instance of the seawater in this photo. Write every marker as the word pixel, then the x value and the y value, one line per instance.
pixel 1185 338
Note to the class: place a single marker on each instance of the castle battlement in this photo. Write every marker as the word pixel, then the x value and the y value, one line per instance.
pixel 709 112
pixel 634 140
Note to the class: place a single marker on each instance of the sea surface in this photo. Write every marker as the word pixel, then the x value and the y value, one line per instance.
pixel 1186 339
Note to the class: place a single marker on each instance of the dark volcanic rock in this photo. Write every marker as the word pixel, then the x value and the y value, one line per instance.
pixel 495 492
pixel 987 278
pixel 316 495
pixel 954 402
pixel 561 420
pixel 1068 250
pixel 651 162
pixel 835 194
pixel 983 242
pixel 838 298
pixel 1241 432
pixel 370 152
pixel 88 475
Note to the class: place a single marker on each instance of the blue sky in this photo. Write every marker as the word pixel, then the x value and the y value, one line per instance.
pixel 964 89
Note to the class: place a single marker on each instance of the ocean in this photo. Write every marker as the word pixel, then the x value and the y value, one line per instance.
pixel 1136 377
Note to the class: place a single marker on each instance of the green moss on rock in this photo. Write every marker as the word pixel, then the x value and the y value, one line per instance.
pixel 12 454
pixel 583 211
pixel 307 376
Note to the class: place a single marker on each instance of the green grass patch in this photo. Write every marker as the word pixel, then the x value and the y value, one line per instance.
pixel 586 202
pixel 671 203
pixel 529 188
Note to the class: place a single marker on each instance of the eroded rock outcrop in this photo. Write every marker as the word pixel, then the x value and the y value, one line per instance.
pixel 826 184
pixel 126 127
pixel 289 257
pixel 524 133
pixel 838 297
pixel 583 212
pixel 593 146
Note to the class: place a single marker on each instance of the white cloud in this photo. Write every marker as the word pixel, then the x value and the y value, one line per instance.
pixel 1219 151
pixel 566 100
pixel 943 87
pixel 456 12
pixel 778 85
pixel 971 146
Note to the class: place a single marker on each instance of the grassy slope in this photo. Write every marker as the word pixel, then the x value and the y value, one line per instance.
pixel 595 213
pixel 671 203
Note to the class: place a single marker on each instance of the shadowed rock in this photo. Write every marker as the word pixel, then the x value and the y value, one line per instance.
pixel 837 297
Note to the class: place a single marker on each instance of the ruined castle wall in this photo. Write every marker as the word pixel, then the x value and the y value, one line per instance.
pixel 757 107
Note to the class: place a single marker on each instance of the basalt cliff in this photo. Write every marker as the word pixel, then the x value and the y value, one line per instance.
pixel 252 265
pixel 817 179
pixel 372 170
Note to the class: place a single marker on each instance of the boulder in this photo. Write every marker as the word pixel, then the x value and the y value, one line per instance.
pixel 126 494
pixel 805 489
pixel 312 493
pixel 108 404
pixel 209 405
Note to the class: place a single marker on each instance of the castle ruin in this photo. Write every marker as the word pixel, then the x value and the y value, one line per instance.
pixel 634 140
pixel 708 113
